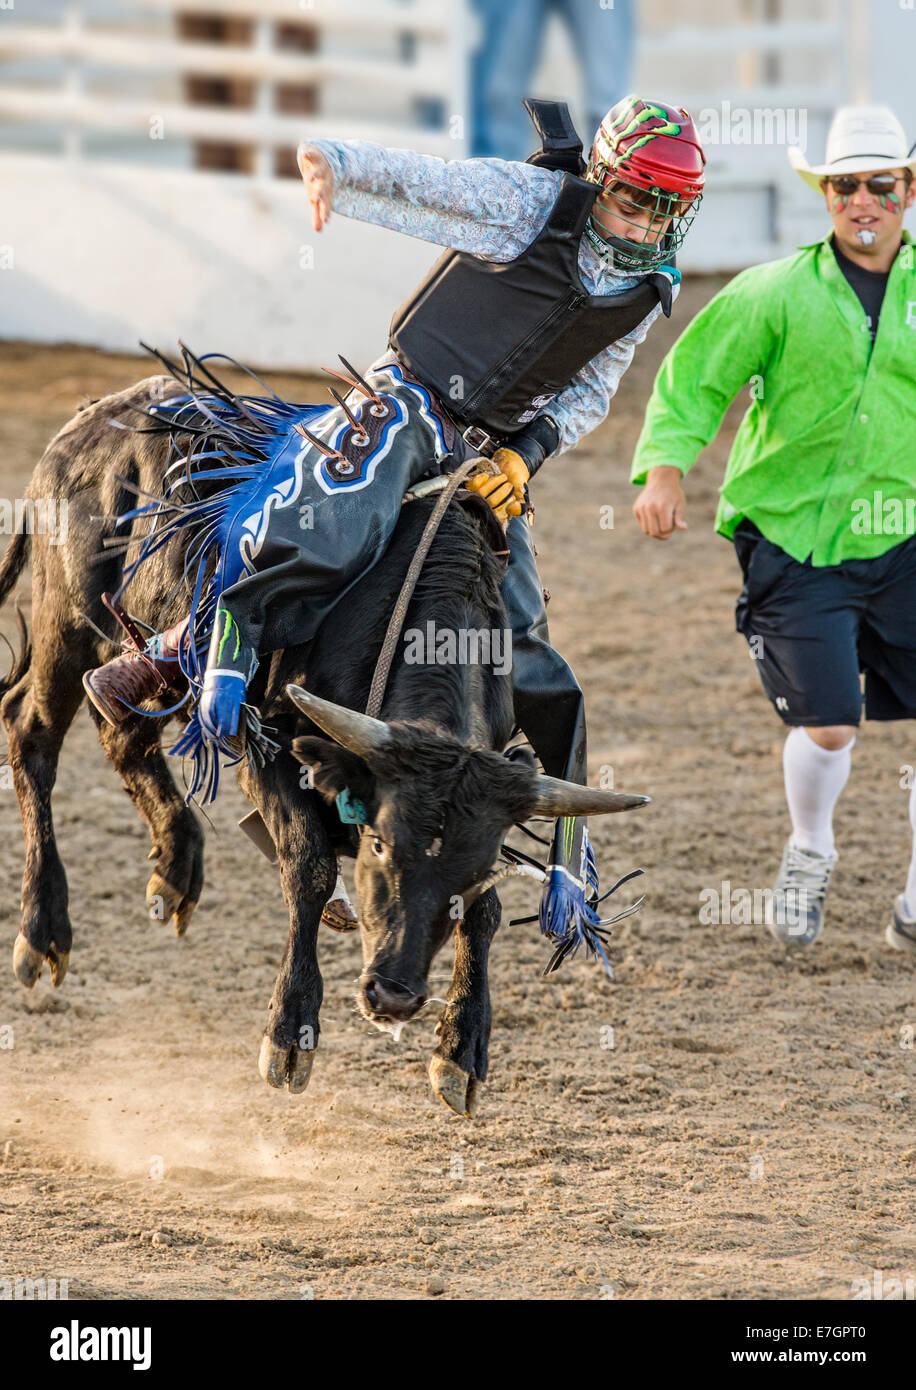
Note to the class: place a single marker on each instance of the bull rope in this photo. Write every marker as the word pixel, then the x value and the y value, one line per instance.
pixel 399 612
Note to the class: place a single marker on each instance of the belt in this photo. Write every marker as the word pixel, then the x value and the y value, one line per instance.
pixel 478 440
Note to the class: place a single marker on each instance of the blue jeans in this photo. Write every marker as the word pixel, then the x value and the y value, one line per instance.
pixel 504 65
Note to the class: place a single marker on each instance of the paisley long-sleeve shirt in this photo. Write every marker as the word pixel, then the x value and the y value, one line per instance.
pixel 490 208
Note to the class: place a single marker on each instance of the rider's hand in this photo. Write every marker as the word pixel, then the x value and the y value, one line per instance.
pixel 318 178
pixel 221 703
pixel 661 507
pixel 514 467
pixel 505 490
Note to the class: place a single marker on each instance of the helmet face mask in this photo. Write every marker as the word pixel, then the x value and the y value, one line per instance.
pixel 650 240
pixel 648 158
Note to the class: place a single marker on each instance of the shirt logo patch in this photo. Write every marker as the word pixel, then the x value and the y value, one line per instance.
pixel 911 314
pixel 536 405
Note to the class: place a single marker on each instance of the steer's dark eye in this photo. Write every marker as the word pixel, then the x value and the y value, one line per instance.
pixel 377 847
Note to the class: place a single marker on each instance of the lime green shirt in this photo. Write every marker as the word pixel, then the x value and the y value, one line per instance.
pixel 824 461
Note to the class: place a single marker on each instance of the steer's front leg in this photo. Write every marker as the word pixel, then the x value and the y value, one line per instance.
pixel 459 1063
pixel 308 871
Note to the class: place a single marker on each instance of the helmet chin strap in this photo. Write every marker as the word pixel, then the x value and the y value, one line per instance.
pixel 609 250
pixel 601 247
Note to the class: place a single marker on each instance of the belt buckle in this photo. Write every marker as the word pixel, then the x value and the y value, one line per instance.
pixel 477 438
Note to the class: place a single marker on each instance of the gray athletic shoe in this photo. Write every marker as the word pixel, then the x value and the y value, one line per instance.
pixel 797 917
pixel 901 930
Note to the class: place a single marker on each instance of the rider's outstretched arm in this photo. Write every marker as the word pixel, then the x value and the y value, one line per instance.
pixel 492 208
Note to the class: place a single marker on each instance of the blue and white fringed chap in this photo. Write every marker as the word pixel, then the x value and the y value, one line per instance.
pixel 245 477
pixel 229 448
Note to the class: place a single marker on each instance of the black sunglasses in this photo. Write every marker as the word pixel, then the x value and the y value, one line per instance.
pixel 846 185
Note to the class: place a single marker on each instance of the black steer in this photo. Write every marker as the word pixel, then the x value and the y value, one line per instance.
pixel 438 794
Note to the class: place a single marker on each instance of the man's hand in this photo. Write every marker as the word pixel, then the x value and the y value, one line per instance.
pixel 661 507
pixel 318 178
pixel 505 489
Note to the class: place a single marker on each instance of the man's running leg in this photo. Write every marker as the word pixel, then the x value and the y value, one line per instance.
pixel 802 625
pixel 901 931
pixel 816 764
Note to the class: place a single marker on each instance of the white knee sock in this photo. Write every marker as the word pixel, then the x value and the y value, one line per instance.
pixel 909 893
pixel 815 777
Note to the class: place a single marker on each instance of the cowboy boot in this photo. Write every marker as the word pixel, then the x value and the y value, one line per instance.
pixel 136 674
pixel 339 913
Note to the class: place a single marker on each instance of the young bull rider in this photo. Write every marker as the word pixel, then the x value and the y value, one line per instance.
pixel 827 339
pixel 550 282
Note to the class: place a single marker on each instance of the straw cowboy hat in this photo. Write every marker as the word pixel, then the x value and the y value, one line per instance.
pixel 860 138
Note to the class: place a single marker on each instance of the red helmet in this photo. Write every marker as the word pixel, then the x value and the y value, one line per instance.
pixel 649 156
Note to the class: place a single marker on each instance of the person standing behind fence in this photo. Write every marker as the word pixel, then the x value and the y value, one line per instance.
pixel 504 64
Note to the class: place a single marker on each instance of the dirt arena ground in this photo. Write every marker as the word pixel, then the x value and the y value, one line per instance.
pixel 749 1134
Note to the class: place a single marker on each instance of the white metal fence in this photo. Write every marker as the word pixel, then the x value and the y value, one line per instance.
pixel 120 118
pixel 779 67
pixel 118 224
pixel 377 66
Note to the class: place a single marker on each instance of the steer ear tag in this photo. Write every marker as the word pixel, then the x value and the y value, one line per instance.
pixel 350 809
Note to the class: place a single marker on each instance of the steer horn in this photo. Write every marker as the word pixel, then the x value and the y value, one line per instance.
pixel 360 733
pixel 558 798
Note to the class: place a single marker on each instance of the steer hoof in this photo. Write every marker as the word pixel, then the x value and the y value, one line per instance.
pixel 166 902
pixel 28 963
pixel 285 1066
pixel 459 1090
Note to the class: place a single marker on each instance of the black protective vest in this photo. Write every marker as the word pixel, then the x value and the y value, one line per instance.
pixel 497 341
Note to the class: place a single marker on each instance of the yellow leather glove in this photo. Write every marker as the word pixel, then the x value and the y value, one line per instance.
pixel 505 490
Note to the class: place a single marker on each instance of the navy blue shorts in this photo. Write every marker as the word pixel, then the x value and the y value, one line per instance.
pixel 814 630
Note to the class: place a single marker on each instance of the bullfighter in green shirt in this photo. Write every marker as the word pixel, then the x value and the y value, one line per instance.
pixel 819 495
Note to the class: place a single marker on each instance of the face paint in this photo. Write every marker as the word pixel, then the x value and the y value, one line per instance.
pixel 888 199
pixel 865 235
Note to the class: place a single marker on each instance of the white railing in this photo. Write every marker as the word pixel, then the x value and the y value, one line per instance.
pixel 143 245
pixel 220 60
pixel 428 18
pixel 777 37
pixel 156 248
pixel 432 66
pixel 230 124
pixel 799 68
